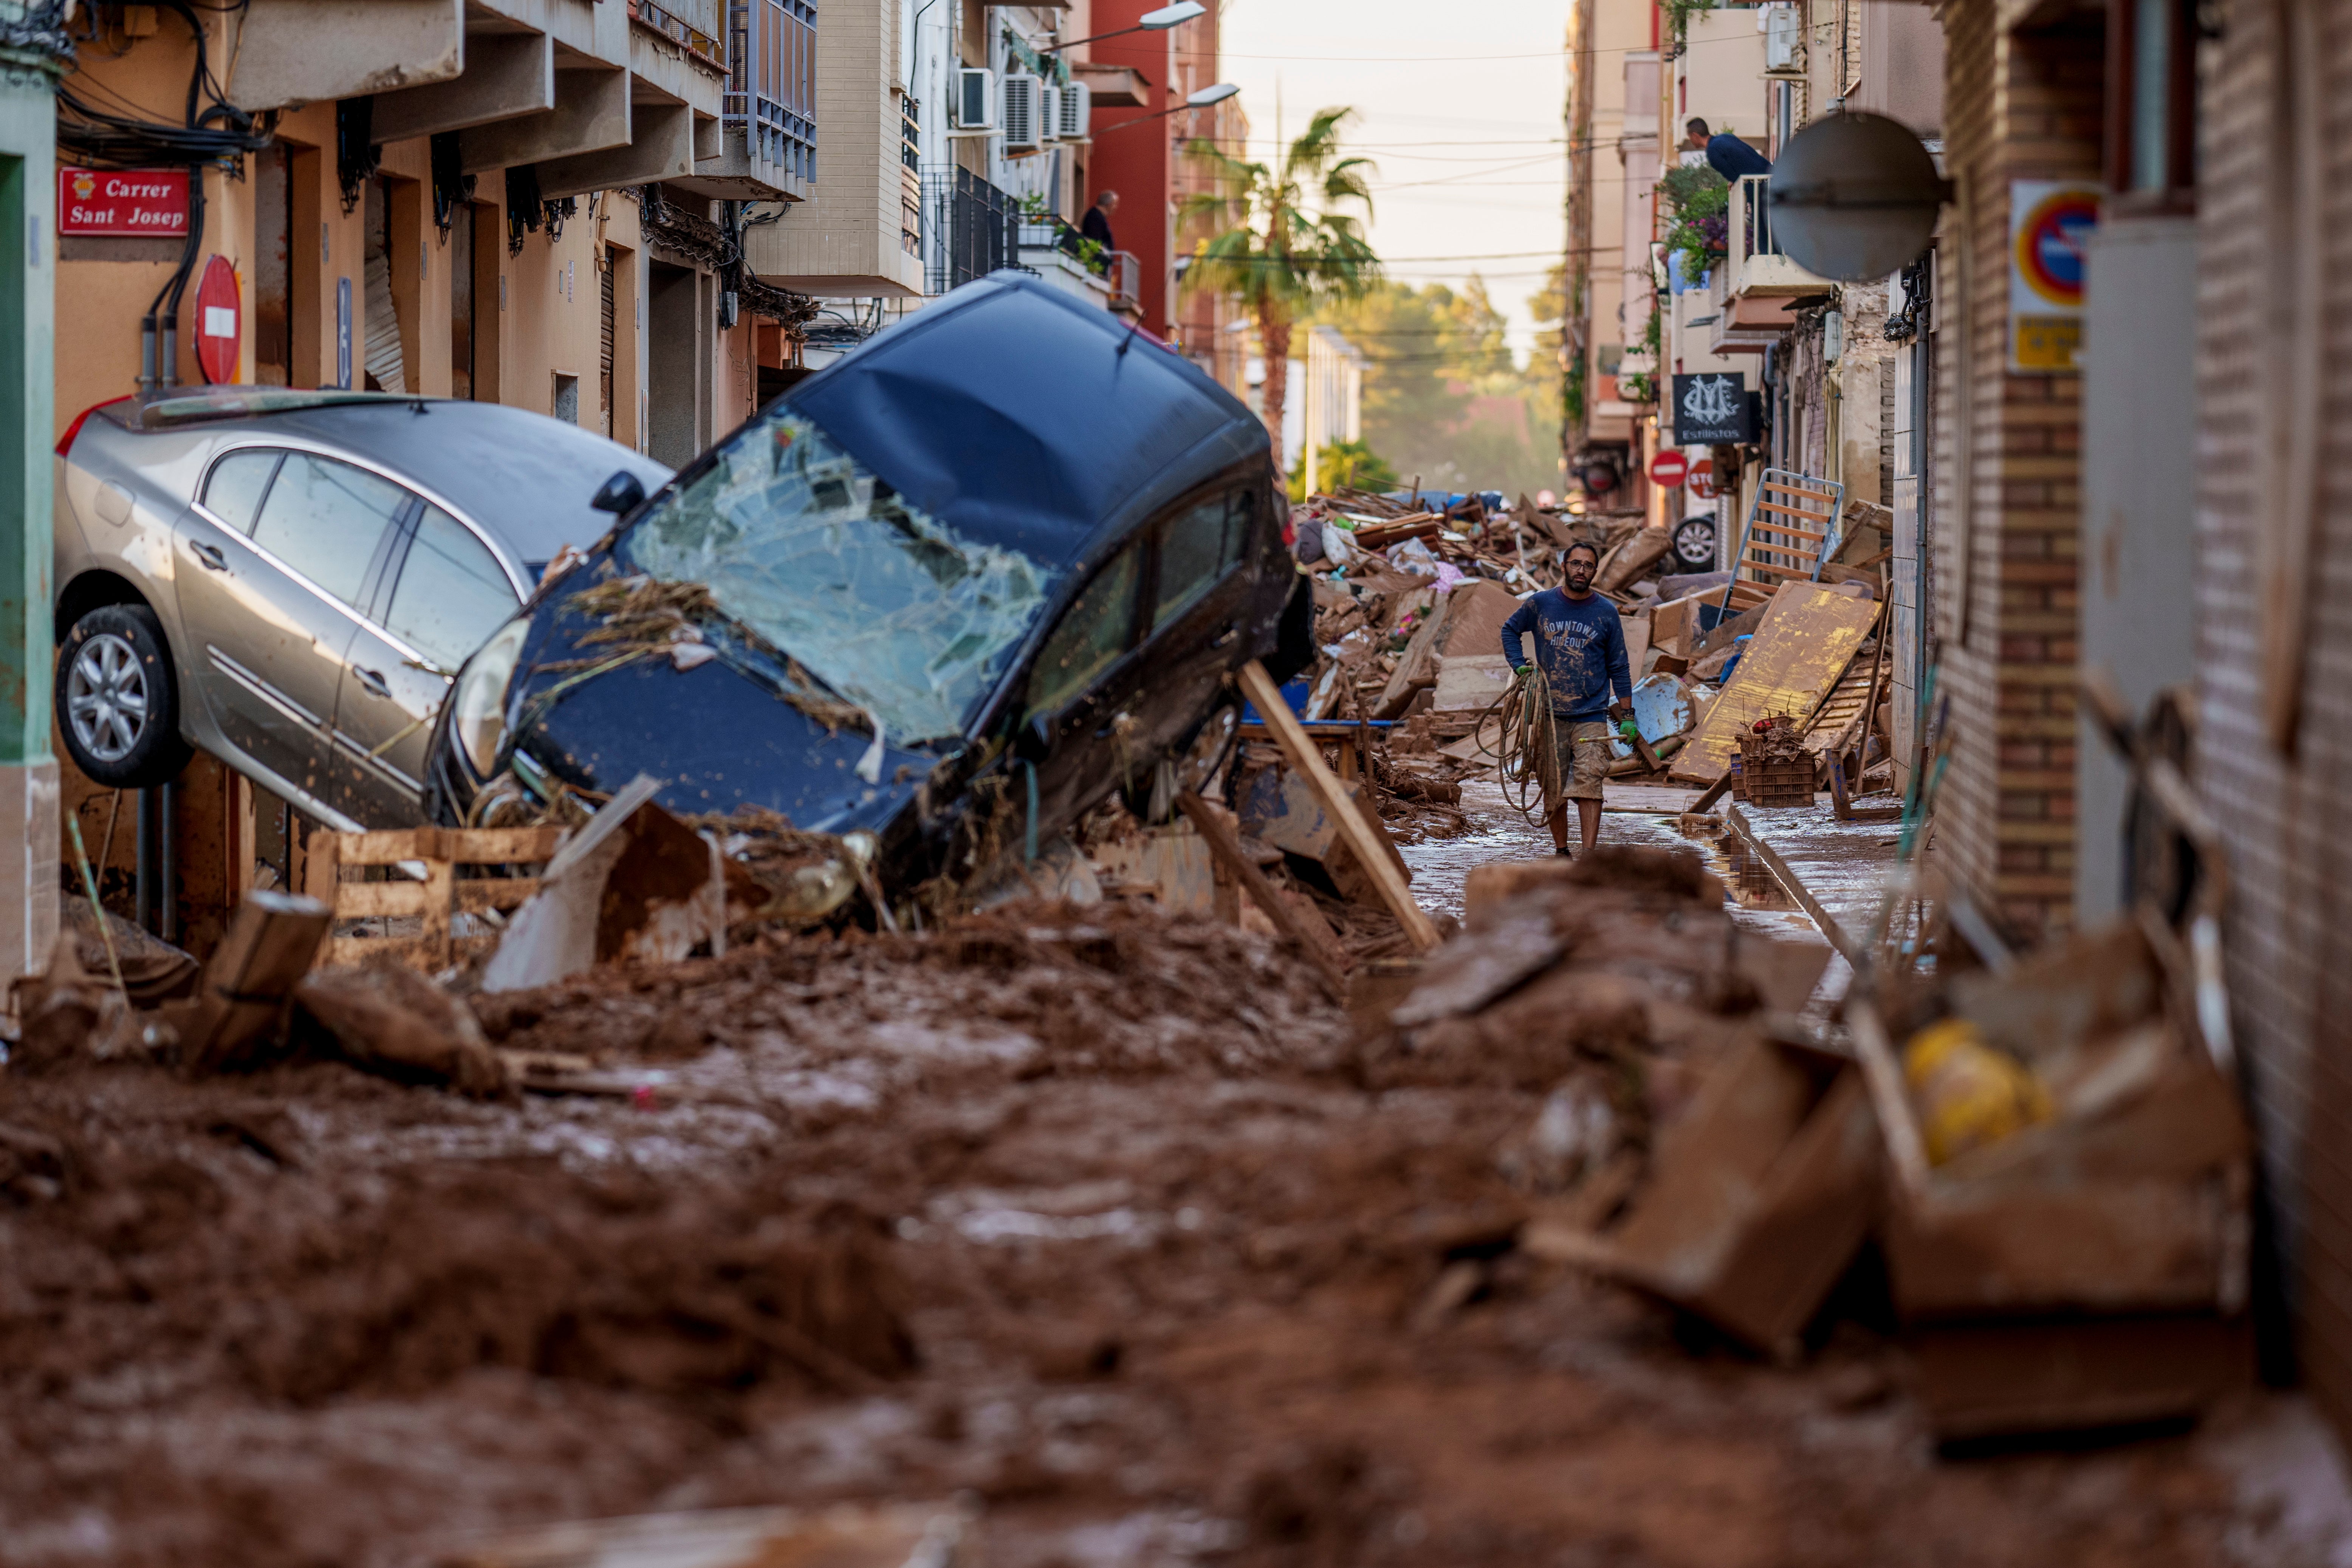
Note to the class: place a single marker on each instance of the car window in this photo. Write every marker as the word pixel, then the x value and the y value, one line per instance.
pixel 1196 545
pixel 234 492
pixel 1093 632
pixel 325 519
pixel 451 594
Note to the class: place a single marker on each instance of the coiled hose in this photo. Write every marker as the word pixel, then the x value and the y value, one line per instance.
pixel 1526 751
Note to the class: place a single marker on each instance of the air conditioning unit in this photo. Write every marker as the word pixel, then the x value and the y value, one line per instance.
pixel 975 99
pixel 1077 109
pixel 1049 113
pixel 1023 111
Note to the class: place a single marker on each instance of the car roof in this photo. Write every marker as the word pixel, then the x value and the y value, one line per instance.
pixel 524 477
pixel 1026 419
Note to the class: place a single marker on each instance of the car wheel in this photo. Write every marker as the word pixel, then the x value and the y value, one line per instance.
pixel 1694 544
pixel 118 699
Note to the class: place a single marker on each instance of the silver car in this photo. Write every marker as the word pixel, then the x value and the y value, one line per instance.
pixel 288 580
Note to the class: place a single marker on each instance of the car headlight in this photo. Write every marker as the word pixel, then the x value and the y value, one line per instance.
pixel 481 697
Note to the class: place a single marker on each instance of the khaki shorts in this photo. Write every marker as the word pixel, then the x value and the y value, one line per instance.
pixel 1584 759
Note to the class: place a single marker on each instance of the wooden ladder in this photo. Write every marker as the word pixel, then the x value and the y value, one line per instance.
pixel 1791 525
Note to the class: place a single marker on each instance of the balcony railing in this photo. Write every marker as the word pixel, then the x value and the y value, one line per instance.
pixel 1756 265
pixel 972 229
pixel 771 82
pixel 1125 274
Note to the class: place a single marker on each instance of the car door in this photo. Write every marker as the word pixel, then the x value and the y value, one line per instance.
pixel 268 565
pixel 1197 603
pixel 1074 708
pixel 441 600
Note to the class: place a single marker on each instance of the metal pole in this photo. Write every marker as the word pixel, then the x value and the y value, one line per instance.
pixel 142 895
pixel 167 920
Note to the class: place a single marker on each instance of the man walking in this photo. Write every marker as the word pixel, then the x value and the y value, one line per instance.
pixel 1580 648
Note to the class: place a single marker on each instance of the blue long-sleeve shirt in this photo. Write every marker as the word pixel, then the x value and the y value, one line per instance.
pixel 1579 646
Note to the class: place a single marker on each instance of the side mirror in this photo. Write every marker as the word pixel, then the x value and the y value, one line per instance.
pixel 619 494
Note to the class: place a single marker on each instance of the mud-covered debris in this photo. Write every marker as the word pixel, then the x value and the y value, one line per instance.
pixel 389 1019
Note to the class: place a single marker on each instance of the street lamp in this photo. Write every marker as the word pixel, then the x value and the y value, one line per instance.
pixel 1157 21
pixel 1217 93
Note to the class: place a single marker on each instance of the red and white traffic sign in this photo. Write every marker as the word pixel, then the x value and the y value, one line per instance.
pixel 1701 479
pixel 117 202
pixel 1669 469
pixel 219 315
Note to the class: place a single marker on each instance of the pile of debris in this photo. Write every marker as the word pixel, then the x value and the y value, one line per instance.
pixel 2046 1150
pixel 1408 613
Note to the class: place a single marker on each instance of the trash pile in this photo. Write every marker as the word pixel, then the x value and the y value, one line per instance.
pixel 1409 611
pixel 2044 1151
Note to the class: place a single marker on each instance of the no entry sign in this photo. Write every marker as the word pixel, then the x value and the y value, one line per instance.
pixel 217 322
pixel 1669 469
pixel 119 202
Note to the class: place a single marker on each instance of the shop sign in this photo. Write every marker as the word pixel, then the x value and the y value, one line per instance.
pixel 2050 226
pixel 1712 408
pixel 147 203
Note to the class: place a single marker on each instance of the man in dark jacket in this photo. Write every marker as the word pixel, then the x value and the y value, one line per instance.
pixel 1095 225
pixel 1580 648
pixel 1734 159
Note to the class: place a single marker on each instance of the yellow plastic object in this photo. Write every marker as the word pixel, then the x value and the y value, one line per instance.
pixel 1969 1094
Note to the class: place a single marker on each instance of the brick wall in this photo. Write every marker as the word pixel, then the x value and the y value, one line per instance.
pixel 2019 106
pixel 2289 932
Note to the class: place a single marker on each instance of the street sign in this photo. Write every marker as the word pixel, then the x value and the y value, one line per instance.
pixel 1669 469
pixel 148 203
pixel 2050 223
pixel 1712 408
pixel 1702 479
pixel 219 320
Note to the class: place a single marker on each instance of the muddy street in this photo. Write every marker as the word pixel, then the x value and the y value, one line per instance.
pixel 1104 1222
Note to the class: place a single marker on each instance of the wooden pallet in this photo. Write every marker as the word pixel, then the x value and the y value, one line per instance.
pixel 1792 519
pixel 337 877
pixel 1829 724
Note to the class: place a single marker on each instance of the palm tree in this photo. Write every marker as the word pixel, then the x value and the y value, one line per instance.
pixel 1275 253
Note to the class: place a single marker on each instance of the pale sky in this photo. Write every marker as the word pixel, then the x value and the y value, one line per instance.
pixel 1459 107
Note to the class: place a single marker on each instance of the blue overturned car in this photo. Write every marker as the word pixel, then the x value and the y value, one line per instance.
pixel 952 590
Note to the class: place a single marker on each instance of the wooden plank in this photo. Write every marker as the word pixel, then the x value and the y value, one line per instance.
pixel 1793 662
pixel 474 897
pixel 1372 855
pixel 322 865
pixel 438 874
pixel 501 846
pixel 416 952
pixel 390 848
pixel 1884 1075
pixel 1225 845
pixel 1792 511
pixel 1804 572
pixel 371 900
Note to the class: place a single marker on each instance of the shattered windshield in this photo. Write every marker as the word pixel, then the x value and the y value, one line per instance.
pixel 800 541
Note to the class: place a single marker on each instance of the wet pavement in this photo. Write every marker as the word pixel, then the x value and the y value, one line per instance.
pixel 1843 864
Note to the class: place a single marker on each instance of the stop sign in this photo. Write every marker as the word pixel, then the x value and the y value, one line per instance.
pixel 217 321
pixel 1701 479
pixel 1669 468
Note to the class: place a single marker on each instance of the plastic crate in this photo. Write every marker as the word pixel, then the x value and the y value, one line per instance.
pixel 1773 781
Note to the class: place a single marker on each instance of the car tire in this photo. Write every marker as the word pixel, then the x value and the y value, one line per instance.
pixel 118 699
pixel 1694 544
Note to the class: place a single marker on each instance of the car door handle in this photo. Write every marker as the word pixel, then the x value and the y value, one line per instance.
pixel 210 556
pixel 372 681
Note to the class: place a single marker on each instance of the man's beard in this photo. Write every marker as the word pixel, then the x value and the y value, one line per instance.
pixel 1580 581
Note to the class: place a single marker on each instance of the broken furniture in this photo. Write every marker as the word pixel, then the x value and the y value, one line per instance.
pixel 1801 649
pixel 1793 519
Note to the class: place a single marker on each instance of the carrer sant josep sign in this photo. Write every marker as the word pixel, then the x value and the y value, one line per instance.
pixel 1711 409
pixel 148 203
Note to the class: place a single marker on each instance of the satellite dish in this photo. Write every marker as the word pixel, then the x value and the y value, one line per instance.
pixel 1855 196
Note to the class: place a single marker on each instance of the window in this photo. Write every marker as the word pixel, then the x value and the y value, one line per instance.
pixel 325 519
pixel 451 595
pixel 1196 545
pixel 1094 632
pixel 234 492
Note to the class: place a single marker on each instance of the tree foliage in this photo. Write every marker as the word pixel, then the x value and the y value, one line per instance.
pixel 1283 242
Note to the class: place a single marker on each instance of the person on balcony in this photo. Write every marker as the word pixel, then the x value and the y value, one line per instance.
pixel 1734 159
pixel 1095 225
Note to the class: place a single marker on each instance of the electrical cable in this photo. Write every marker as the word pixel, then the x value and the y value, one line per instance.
pixel 1526 752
